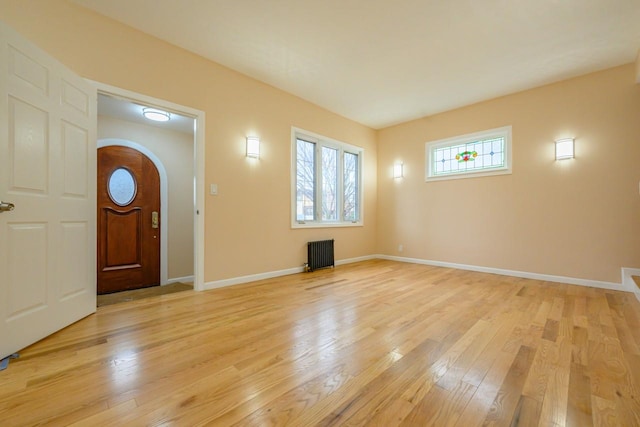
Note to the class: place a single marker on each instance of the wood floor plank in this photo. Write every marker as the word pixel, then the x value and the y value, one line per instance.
pixel 327 408
pixel 416 391
pixel 505 403
pixel 441 407
pixel 477 371
pixel 480 405
pixel 554 406
pixel 393 415
pixel 389 386
pixel 579 411
pixel 544 360
pixel 316 391
pixel 557 309
pixel 527 412
pixel 580 318
pixel 112 416
pixel 460 369
pixel 623 328
pixel 377 343
pixel 604 412
pixel 551 329
pixel 580 340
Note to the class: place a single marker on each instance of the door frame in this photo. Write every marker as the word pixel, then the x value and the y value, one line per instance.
pixel 199 147
pixel 164 198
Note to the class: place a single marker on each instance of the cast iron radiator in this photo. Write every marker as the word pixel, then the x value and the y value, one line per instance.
pixel 320 254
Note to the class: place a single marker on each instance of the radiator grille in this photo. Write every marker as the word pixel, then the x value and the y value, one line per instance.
pixel 320 254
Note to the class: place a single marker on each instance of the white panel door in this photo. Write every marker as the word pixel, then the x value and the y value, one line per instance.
pixel 48 171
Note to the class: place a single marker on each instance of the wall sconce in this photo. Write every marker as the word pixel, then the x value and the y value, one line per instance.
pixel 253 147
pixel 398 170
pixel 564 149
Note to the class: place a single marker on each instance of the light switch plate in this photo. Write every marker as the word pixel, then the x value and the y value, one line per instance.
pixel 213 189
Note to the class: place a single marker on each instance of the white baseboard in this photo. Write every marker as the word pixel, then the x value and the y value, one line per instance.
pixel 624 286
pixel 358 259
pixel 271 274
pixel 514 273
pixel 627 280
pixel 185 279
pixel 250 278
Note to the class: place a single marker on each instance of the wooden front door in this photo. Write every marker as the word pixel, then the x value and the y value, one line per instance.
pixel 128 220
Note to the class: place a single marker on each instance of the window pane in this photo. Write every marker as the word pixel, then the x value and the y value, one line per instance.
pixel 469 157
pixel 122 187
pixel 305 181
pixel 351 190
pixel 327 179
pixel 329 184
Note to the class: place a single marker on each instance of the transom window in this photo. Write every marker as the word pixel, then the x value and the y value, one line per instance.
pixel 326 181
pixel 477 154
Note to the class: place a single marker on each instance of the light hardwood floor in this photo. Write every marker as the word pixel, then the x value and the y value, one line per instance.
pixel 373 343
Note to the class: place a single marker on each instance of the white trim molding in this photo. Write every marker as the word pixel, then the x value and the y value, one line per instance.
pixel 431 147
pixel 251 278
pixel 357 259
pixel 199 152
pixel 627 280
pixel 184 279
pixel 514 273
pixel 164 198
pixel 503 272
pixel 342 148
pixel 271 274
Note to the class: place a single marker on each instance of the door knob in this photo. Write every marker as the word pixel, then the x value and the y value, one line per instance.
pixel 6 206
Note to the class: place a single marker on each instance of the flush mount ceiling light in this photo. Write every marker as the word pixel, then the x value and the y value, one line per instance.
pixel 156 115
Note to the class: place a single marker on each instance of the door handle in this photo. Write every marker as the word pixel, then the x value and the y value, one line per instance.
pixel 154 219
pixel 6 206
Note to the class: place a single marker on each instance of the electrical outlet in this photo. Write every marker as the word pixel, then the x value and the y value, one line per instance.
pixel 400 248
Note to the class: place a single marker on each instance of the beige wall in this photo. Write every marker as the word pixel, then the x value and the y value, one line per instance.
pixel 175 151
pixel 578 218
pixel 247 226
pixel 638 67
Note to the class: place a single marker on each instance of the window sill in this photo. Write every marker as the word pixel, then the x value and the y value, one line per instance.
pixel 326 224
pixel 462 175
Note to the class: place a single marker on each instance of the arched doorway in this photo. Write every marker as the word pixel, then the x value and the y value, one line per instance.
pixel 128 223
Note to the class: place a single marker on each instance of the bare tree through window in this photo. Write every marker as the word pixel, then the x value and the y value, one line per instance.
pixel 305 181
pixel 327 181
pixel 329 184
pixel 350 187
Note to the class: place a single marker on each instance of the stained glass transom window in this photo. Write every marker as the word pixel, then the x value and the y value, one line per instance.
pixel 484 152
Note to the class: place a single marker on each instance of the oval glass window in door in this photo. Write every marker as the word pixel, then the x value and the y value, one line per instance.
pixel 122 187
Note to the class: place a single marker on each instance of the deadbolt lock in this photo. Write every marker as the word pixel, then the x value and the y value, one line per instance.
pixel 154 219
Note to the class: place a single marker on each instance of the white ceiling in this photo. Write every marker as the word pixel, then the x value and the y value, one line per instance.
pixel 126 110
pixel 382 62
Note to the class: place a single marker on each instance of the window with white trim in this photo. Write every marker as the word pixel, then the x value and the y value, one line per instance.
pixel 326 181
pixel 466 156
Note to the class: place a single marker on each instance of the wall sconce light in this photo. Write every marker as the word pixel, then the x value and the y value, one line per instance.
pixel 253 147
pixel 156 115
pixel 564 149
pixel 398 170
